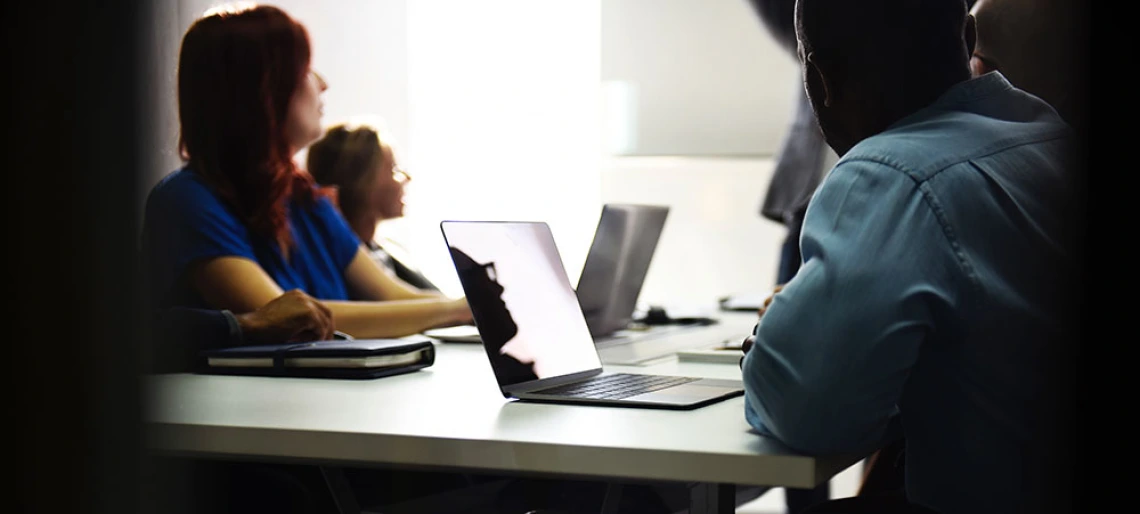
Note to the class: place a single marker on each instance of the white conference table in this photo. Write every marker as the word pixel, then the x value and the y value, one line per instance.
pixel 452 416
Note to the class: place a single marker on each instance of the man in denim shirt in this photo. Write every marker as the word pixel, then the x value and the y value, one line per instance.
pixel 938 257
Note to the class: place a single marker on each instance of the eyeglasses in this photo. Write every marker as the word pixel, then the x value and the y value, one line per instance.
pixel 321 83
pixel 401 175
pixel 490 269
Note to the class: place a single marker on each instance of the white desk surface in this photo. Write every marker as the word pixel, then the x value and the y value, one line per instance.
pixel 733 326
pixel 452 415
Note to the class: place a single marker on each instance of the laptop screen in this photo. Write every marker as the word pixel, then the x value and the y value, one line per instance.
pixel 616 266
pixel 526 312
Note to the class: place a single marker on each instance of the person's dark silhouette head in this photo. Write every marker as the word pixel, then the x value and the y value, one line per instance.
pixel 496 326
pixel 1040 46
pixel 870 63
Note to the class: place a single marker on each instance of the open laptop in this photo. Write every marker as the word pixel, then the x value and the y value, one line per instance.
pixel 616 265
pixel 612 276
pixel 533 330
pixel 611 282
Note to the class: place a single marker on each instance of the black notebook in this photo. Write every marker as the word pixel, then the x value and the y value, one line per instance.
pixel 356 358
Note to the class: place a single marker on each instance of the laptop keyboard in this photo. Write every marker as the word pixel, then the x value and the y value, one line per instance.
pixel 616 386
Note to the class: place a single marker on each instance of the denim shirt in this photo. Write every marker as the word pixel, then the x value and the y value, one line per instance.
pixel 935 258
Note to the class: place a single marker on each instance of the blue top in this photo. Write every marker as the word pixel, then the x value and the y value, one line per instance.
pixel 931 289
pixel 186 221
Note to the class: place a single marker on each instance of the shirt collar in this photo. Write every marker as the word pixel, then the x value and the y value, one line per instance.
pixel 960 95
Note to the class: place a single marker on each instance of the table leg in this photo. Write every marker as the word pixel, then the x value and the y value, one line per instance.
pixel 613 499
pixel 712 499
pixel 341 490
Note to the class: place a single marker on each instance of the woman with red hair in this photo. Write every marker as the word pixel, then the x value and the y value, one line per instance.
pixel 240 223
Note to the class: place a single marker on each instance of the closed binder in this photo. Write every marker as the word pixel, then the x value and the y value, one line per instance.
pixel 353 359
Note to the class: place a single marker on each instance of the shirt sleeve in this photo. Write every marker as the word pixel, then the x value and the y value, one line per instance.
pixel 835 347
pixel 185 222
pixel 180 334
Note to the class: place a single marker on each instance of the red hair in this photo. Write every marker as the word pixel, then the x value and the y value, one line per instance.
pixel 237 73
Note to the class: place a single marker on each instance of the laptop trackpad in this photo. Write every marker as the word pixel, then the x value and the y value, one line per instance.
pixel 687 393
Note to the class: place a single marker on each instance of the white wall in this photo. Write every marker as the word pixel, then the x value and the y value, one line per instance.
pixel 361 49
pixel 714 243
pixel 698 77
pixel 503 108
